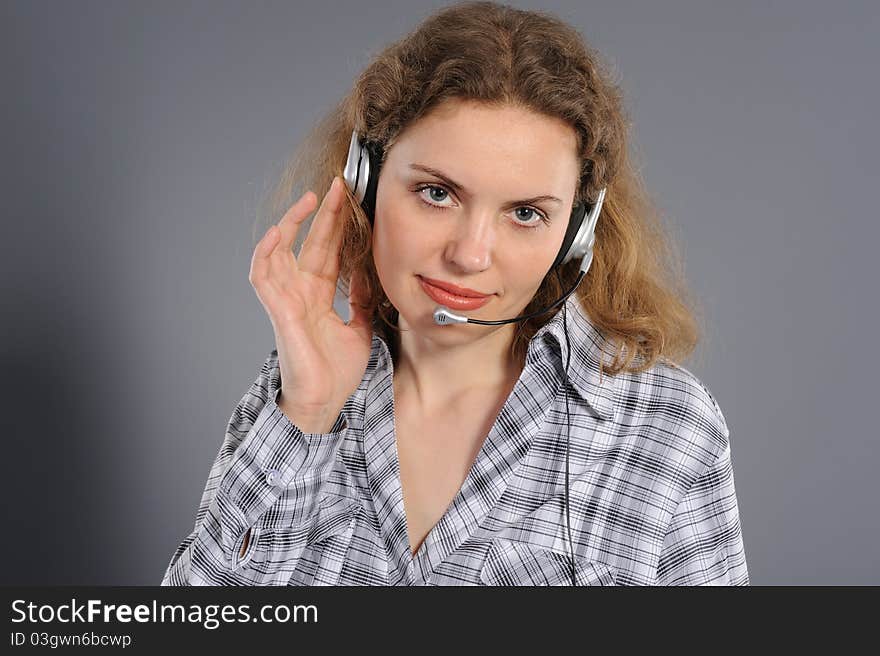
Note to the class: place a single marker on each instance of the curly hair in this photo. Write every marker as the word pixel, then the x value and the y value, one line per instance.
pixel 634 292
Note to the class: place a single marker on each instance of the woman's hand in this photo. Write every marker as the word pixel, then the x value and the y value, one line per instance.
pixel 322 359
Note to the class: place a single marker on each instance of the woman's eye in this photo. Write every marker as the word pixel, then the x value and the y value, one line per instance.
pixel 531 217
pixel 434 192
pixel 525 217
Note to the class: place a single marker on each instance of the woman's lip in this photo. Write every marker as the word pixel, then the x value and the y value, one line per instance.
pixel 453 289
pixel 452 301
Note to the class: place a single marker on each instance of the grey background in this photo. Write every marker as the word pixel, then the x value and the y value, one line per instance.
pixel 138 139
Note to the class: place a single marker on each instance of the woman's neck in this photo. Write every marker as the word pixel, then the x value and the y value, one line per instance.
pixel 433 376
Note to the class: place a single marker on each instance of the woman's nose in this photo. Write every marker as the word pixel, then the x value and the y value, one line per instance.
pixel 470 247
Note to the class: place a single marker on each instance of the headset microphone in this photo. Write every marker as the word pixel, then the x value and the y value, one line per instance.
pixel 443 316
pixel 361 175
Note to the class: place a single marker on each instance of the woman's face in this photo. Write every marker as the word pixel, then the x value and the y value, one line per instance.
pixel 497 231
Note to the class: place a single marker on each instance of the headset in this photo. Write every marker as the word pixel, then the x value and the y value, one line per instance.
pixel 361 175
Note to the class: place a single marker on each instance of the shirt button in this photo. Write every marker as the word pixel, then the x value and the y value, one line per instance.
pixel 273 477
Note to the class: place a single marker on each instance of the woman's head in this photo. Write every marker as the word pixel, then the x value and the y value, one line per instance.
pixel 523 107
pixel 459 201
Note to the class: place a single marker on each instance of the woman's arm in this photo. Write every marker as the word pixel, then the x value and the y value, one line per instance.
pixel 264 455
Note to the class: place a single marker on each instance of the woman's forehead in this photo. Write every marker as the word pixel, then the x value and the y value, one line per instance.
pixel 493 119
pixel 477 144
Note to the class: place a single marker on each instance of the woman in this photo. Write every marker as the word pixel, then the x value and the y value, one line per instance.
pixel 564 447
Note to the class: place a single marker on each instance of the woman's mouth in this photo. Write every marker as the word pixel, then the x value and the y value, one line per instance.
pixel 450 300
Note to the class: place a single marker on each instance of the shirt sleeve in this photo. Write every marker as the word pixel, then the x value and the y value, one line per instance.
pixel 703 544
pixel 263 456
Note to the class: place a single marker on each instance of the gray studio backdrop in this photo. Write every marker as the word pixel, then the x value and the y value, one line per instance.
pixel 139 138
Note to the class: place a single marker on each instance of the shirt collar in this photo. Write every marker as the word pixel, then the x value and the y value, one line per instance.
pixel 589 348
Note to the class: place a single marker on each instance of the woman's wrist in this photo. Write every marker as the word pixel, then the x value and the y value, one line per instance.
pixel 307 420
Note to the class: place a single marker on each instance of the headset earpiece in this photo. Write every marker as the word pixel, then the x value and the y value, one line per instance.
pixel 578 212
pixel 361 172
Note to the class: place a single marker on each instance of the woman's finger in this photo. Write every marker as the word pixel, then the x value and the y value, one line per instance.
pixel 294 217
pixel 260 258
pixel 260 274
pixel 320 248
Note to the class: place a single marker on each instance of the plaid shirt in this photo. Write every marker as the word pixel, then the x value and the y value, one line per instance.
pixel 651 493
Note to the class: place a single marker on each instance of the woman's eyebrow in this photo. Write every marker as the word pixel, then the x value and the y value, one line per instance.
pixel 464 192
